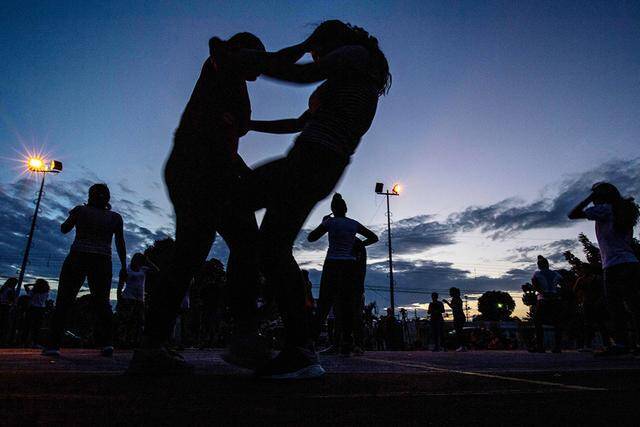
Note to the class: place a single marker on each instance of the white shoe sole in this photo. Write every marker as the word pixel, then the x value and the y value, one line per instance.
pixel 312 371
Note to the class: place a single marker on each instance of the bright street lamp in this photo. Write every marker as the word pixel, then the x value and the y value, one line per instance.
pixel 395 191
pixel 37 165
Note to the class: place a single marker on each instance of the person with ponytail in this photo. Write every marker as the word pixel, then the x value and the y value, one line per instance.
pixel 354 74
pixel 615 217
pixel 340 286
pixel 201 173
pixel 89 259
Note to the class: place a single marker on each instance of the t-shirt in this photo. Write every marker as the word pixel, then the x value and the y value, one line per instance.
pixel 134 285
pixel 215 94
pixel 436 309
pixel 345 104
pixel 456 308
pixel 342 234
pixel 547 280
pixel 615 246
pixel 95 228
pixel 38 299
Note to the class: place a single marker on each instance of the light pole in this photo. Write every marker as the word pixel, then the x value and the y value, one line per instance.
pixel 36 165
pixel 395 191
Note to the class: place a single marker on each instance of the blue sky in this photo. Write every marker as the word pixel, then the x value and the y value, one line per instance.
pixel 496 110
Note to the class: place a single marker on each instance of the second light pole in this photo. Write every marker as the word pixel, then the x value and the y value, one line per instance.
pixel 395 191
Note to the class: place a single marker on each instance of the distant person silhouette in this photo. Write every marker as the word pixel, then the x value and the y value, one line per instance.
pixel 355 73
pixel 459 318
pixel 615 217
pixel 7 304
pixel 548 307
pixel 38 296
pixel 201 173
pixel 436 311
pixel 90 258
pixel 130 294
pixel 340 286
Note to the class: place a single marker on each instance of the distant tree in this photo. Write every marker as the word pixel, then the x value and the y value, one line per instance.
pixel 496 305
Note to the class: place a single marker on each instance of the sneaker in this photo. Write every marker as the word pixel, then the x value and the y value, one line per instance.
pixel 51 352
pixel 248 352
pixel 107 351
pixel 293 363
pixel 157 361
pixel 461 349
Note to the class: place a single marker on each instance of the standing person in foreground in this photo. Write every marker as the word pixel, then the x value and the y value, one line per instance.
pixel 201 173
pixel 546 281
pixel 435 311
pixel 459 318
pixel 615 218
pixel 339 285
pixel 90 258
pixel 355 74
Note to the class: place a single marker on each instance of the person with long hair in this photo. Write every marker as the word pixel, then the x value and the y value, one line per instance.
pixel 340 286
pixel 90 259
pixel 615 217
pixel 459 318
pixel 354 74
pixel 201 173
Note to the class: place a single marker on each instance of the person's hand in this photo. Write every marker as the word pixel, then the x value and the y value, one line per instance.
pixel 326 217
pixel 218 52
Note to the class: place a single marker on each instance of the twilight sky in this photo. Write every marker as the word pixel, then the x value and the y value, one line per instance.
pixel 500 117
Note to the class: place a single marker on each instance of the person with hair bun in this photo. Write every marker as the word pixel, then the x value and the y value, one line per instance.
pixel 89 259
pixel 339 285
pixel 201 173
pixel 615 217
pixel 354 73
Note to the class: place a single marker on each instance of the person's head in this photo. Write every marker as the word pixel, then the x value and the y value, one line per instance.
pixel 11 282
pixel 434 296
pixel 137 261
pixel 454 292
pixel 99 196
pixel 237 42
pixel 40 286
pixel 338 205
pixel 625 210
pixel 333 34
pixel 543 263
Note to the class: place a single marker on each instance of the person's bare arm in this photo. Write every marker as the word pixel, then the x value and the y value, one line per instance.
pixel 121 248
pixel 578 211
pixel 317 233
pixel 370 236
pixel 279 126
pixel 70 222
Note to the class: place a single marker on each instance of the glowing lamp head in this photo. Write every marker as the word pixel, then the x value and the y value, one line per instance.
pixel 500 305
pixel 396 189
pixel 36 164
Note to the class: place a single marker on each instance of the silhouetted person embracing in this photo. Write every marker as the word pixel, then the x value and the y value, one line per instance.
pixel 201 173
pixel 548 307
pixel 90 258
pixel 355 74
pixel 459 318
pixel 615 217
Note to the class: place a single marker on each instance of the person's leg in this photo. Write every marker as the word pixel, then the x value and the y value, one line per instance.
pixel 193 240
pixel 326 297
pixel 614 282
pixel 632 297
pixel 241 235
pixel 72 276
pixel 539 325
pixel 99 278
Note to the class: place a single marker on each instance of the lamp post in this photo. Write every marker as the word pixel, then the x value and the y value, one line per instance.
pixel 395 191
pixel 36 165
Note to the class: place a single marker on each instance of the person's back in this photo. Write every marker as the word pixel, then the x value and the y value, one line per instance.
pixel 547 282
pixel 347 102
pixel 95 228
pixel 616 244
pixel 436 310
pixel 342 234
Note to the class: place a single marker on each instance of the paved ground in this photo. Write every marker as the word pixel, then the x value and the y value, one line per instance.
pixel 397 388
